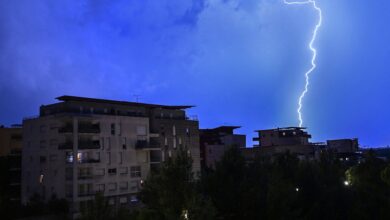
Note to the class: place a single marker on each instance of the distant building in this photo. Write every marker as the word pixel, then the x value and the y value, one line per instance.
pixel 214 142
pixel 280 140
pixel 297 141
pixel 80 146
pixel 344 145
pixel 10 153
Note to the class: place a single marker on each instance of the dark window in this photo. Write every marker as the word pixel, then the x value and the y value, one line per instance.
pixel 112 171
pixel 113 129
pixel 42 159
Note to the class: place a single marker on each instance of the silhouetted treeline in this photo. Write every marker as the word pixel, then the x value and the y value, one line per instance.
pixel 281 188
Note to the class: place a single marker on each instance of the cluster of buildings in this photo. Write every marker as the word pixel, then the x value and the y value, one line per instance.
pixel 80 146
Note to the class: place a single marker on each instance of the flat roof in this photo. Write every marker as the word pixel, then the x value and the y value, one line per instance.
pixel 67 98
pixel 282 129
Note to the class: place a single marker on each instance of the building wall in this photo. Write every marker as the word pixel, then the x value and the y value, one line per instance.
pixel 77 178
pixel 344 145
pixel 10 139
pixel 10 151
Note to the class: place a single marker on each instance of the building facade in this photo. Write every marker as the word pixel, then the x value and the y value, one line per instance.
pixel 10 156
pixel 214 142
pixel 280 140
pixel 80 146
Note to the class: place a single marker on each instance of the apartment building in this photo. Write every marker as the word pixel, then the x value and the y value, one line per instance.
pixel 280 140
pixel 80 146
pixel 215 141
pixel 10 156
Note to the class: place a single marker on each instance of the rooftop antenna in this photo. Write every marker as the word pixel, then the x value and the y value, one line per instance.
pixel 136 96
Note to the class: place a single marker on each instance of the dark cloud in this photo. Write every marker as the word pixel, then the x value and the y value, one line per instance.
pixel 239 61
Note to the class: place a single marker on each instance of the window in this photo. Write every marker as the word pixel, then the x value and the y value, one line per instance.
pixel 69 191
pixel 134 185
pixel 53 126
pixel 124 143
pixel 100 187
pixel 135 171
pixel 112 171
pixel 69 173
pixel 69 157
pixel 123 200
pixel 42 159
pixel 120 157
pixel 123 186
pixel 100 172
pixel 108 143
pixel 102 143
pixel 174 142
pixel 113 129
pixel 188 131
pixel 166 142
pixel 53 157
pixel 123 170
pixel 109 157
pixel 43 128
pixel 53 143
pixel 141 130
pixel 174 130
pixel 42 144
pixel 112 186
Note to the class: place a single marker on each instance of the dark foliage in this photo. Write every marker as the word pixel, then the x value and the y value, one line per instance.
pixel 279 188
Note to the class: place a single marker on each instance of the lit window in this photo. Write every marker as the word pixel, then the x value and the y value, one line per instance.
pixel 69 157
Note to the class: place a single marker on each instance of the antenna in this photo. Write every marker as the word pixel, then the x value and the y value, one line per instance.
pixel 136 96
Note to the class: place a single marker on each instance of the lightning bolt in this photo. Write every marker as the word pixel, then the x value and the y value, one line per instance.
pixel 312 48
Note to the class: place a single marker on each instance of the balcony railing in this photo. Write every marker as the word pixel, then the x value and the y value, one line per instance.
pixel 66 129
pixel 89 144
pixel 87 193
pixel 89 128
pixel 141 144
pixel 89 160
pixel 85 177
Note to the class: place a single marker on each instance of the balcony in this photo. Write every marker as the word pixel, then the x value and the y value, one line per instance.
pixel 141 144
pixel 85 177
pixel 87 193
pixel 89 144
pixel 154 143
pixel 89 160
pixel 89 128
pixel 68 128
pixel 68 145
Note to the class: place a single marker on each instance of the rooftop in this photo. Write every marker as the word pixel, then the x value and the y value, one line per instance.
pixel 67 98
pixel 283 129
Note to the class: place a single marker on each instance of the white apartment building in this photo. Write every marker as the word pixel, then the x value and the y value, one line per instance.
pixel 81 146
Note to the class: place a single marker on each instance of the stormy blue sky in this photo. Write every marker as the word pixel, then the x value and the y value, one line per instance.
pixel 241 62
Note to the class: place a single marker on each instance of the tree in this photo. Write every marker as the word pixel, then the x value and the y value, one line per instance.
pixel 98 209
pixel 171 190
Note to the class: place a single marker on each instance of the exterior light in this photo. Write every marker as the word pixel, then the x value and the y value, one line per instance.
pixel 347 183
pixel 297 189
pixel 41 179
pixel 185 214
